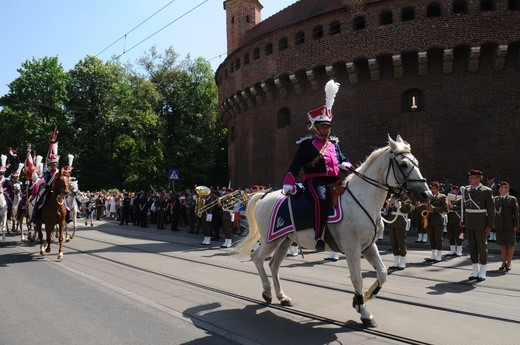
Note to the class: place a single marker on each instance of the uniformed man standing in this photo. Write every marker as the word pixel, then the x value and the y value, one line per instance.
pixel 397 229
pixel 479 215
pixel 436 210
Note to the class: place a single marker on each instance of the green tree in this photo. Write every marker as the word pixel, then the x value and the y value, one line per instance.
pixel 34 106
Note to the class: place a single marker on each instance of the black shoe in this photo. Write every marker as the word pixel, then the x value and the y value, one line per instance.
pixel 429 260
pixel 319 245
pixel 472 278
pixel 480 279
pixel 393 267
pixel 502 268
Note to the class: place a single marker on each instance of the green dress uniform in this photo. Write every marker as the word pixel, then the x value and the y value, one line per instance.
pixel 397 232
pixel 436 222
pixel 453 227
pixel 506 218
pixel 479 214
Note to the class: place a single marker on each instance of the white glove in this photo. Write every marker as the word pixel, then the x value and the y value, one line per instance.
pixel 287 188
pixel 345 166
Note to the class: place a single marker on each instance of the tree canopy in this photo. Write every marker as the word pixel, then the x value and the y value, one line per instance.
pixel 126 126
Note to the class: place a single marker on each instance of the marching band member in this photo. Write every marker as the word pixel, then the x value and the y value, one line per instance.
pixel 506 224
pixel 436 211
pixel 478 218
pixel 320 157
pixel 454 230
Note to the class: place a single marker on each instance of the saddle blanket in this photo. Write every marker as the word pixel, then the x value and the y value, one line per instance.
pixel 303 213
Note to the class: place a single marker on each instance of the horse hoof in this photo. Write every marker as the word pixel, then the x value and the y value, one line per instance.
pixel 60 256
pixel 267 299
pixel 369 323
pixel 47 250
pixel 286 302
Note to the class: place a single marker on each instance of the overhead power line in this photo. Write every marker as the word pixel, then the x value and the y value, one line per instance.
pixel 161 29
pixel 138 25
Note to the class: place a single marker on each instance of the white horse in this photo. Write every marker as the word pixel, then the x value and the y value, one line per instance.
pixel 391 168
pixel 74 209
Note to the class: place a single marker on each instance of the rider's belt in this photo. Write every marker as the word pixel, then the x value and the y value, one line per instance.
pixel 475 211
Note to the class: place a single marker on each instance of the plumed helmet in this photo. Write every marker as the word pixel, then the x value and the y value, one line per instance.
pixel 323 114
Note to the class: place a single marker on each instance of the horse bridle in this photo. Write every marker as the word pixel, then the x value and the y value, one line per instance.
pixel 396 190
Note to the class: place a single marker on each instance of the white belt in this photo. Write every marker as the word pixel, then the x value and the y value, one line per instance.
pixel 476 211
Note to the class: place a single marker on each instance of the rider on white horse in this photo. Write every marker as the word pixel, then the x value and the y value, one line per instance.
pixel 321 159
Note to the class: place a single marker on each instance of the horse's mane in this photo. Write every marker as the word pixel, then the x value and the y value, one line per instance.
pixel 394 146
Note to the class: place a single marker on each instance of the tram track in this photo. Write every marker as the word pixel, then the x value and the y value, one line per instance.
pixel 290 311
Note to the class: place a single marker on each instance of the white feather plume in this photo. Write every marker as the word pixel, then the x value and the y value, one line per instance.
pixel 71 159
pixel 4 160
pixel 331 89
pixel 20 167
pixel 39 159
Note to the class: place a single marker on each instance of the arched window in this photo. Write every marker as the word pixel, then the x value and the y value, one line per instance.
pixel 407 13
pixel 282 44
pixel 412 101
pixel 359 23
pixel 268 49
pixel 335 28
pixel 385 17
pixel 283 118
pixel 514 5
pixel 317 32
pixel 256 54
pixel 237 64
pixel 246 59
pixel 487 5
pixel 433 10
pixel 460 7
pixel 299 38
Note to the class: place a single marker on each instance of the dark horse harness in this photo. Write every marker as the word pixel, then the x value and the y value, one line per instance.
pixel 398 190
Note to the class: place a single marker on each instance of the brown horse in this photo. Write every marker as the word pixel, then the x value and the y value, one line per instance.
pixel 54 212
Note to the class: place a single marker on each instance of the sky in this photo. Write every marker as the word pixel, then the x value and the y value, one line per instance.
pixel 73 29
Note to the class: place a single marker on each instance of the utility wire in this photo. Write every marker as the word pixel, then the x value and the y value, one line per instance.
pixel 138 25
pixel 164 27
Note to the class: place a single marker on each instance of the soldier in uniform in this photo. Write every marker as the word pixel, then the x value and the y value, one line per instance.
pixel 453 227
pixel 478 217
pixel 397 229
pixel 506 224
pixel 320 158
pixel 436 213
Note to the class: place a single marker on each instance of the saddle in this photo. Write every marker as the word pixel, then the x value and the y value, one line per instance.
pixel 335 190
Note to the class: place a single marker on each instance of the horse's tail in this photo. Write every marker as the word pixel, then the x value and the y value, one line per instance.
pixel 244 247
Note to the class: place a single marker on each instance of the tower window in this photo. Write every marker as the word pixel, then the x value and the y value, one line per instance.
pixel 359 23
pixel 335 28
pixel 317 32
pixel 433 10
pixel 282 44
pixel 385 17
pixel 246 59
pixel 247 19
pixel 268 49
pixel 256 54
pixel 407 14
pixel 299 38
pixel 237 64
pixel 283 118
pixel 487 5
pixel 460 7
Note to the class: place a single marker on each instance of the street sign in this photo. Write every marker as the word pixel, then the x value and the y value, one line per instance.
pixel 173 174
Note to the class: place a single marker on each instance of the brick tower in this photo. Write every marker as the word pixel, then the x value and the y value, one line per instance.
pixel 241 16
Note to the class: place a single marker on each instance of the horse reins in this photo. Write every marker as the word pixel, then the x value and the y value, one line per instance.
pixel 392 189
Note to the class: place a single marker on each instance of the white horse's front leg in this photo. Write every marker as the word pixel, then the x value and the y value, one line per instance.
pixel 354 266
pixel 274 266
pixel 373 257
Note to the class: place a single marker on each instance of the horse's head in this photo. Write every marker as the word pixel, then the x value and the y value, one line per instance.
pixel 62 184
pixel 73 185
pixel 403 171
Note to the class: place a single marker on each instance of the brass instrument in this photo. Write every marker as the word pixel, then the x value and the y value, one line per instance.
pixel 203 193
pixel 228 201
pixel 425 221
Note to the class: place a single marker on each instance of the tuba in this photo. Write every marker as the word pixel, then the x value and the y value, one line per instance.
pixel 203 193
pixel 425 221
